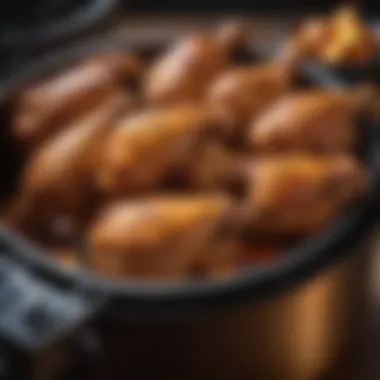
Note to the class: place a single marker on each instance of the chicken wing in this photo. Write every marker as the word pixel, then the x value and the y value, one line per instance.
pixel 57 180
pixel 185 70
pixel 240 94
pixel 47 107
pixel 298 194
pixel 317 121
pixel 308 40
pixel 343 38
pixel 156 237
pixel 145 146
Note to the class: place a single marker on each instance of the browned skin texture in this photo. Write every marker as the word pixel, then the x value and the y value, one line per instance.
pixel 158 237
pixel 316 121
pixel 184 71
pixel 307 40
pixel 299 194
pixel 239 95
pixel 47 107
pixel 214 167
pixel 343 38
pixel 146 145
pixel 57 180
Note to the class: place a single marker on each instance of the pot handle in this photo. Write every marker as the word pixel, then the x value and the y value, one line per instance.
pixel 39 321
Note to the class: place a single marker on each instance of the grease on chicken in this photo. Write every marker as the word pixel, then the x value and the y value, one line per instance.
pixel 317 121
pixel 47 107
pixel 146 146
pixel 299 194
pixel 155 237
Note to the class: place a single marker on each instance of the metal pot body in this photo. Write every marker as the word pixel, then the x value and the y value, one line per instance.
pixel 297 335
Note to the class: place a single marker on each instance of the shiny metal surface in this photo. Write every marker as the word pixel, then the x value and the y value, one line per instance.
pixel 299 335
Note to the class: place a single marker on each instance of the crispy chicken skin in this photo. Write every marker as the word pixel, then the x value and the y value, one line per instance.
pixel 316 121
pixel 125 67
pixel 299 194
pixel 308 39
pixel 156 237
pixel 57 179
pixel 145 146
pixel 185 70
pixel 240 94
pixel 351 40
pixel 47 107
pixel 232 35
pixel 343 38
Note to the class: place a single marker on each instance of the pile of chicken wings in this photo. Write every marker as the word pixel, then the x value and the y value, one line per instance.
pixel 192 164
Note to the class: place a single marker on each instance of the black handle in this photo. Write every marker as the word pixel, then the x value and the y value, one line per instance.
pixel 41 317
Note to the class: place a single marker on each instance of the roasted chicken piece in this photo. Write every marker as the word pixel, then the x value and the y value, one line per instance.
pixel 146 146
pixel 155 237
pixel 214 166
pixel 185 70
pixel 47 107
pixel 296 195
pixel 313 121
pixel 351 40
pixel 238 95
pixel 343 38
pixel 123 66
pixel 308 40
pixel 57 182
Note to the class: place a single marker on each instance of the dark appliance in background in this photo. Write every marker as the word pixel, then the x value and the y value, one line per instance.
pixel 30 27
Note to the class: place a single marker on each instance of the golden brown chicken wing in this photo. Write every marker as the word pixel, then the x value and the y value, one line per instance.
pixel 123 66
pixel 185 70
pixel 351 40
pixel 155 237
pixel 317 121
pixel 233 35
pixel 45 108
pixel 240 94
pixel 308 39
pixel 343 38
pixel 145 146
pixel 57 181
pixel 298 194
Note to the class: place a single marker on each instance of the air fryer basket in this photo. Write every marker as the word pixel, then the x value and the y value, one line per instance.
pixel 68 299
